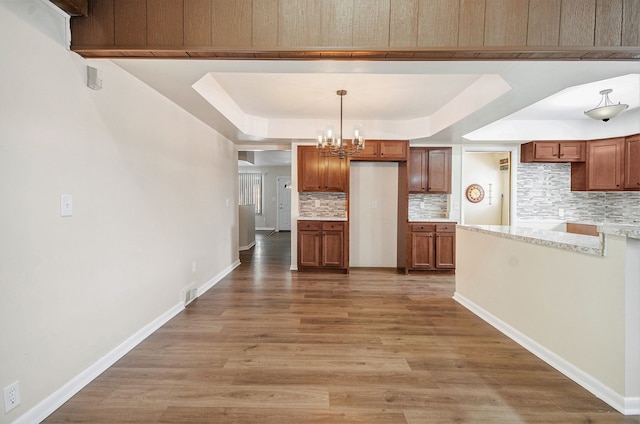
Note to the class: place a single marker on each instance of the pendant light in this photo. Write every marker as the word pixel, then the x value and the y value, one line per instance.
pixel 329 144
pixel 608 110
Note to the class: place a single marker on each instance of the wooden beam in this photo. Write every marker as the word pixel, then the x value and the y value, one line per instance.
pixel 360 29
pixel 73 7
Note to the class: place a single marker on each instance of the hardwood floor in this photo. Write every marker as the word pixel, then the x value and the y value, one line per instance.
pixel 267 345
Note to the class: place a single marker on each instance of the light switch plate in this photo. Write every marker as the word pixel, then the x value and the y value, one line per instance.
pixel 66 205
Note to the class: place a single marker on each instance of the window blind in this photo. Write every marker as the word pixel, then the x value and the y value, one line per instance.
pixel 250 186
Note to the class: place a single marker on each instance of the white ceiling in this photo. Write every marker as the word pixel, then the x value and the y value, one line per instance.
pixel 265 105
pixel 370 96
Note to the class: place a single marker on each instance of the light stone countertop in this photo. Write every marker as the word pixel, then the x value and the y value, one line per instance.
pixel 446 220
pixel 631 231
pixel 322 218
pixel 624 230
pixel 592 245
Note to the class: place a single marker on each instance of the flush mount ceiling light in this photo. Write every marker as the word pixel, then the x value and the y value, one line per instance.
pixel 329 144
pixel 608 110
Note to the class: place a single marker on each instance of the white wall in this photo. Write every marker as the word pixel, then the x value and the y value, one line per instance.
pixel 145 178
pixel 373 210
pixel 566 307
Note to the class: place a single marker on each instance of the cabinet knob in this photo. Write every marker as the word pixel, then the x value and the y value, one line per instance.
pixel 639 183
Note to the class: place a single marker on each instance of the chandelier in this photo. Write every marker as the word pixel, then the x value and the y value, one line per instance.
pixel 608 110
pixel 329 144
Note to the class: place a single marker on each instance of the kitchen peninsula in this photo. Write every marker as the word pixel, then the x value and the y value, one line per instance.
pixel 573 300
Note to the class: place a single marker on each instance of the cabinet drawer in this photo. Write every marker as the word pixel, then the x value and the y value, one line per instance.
pixel 333 226
pixel 421 227
pixel 309 225
pixel 446 228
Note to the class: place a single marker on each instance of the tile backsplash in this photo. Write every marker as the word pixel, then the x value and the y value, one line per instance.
pixel 322 205
pixel 333 205
pixel 545 188
pixel 428 206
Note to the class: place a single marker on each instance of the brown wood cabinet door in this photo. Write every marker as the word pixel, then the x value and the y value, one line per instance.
pixel 632 163
pixel 370 151
pixel 417 170
pixel 309 170
pixel 439 171
pixel 422 250
pixel 546 151
pixel 319 173
pixel 445 250
pixel 392 150
pixel 605 167
pixel 572 151
pixel 334 174
pixel 333 248
pixel 309 248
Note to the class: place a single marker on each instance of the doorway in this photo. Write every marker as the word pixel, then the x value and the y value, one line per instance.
pixel 490 172
pixel 284 203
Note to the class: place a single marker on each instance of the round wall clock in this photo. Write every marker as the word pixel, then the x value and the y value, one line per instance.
pixel 475 193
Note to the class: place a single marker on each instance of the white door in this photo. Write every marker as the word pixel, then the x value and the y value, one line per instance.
pixel 284 203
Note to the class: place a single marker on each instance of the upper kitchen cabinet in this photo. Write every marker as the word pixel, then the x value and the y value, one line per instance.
pixel 384 150
pixel 604 167
pixel 553 151
pixel 320 173
pixel 632 163
pixel 430 170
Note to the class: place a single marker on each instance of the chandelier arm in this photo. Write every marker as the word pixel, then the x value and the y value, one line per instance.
pixel 341 98
pixel 331 145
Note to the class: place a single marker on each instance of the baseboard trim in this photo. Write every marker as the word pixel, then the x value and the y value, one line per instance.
pixel 626 406
pixel 45 408
pixel 54 401
pixel 632 406
pixel 216 279
pixel 249 246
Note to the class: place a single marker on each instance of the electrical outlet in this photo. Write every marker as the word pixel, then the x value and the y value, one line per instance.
pixel 11 396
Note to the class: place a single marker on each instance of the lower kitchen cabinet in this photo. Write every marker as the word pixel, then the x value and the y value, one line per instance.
pixel 445 246
pixel 431 246
pixel 322 245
